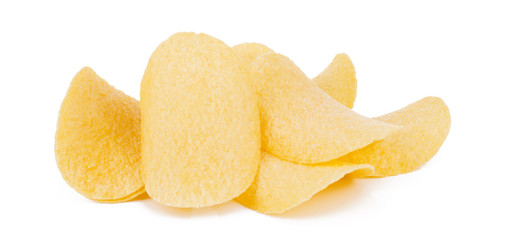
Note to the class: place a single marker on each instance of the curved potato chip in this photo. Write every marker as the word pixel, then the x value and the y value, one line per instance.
pixel 281 185
pixel 250 51
pixel 425 125
pixel 200 123
pixel 399 153
pixel 339 80
pixel 98 140
pixel 301 123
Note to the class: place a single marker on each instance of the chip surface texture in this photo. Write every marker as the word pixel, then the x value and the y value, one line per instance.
pixel 98 140
pixel 339 80
pixel 281 185
pixel 425 126
pixel 250 51
pixel 200 123
pixel 301 123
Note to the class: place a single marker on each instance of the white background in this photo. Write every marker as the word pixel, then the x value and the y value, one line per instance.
pixel 402 52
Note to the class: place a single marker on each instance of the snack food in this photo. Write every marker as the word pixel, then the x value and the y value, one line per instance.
pixel 301 123
pixel 281 185
pixel 200 123
pixel 98 140
pixel 425 125
pixel 195 138
pixel 339 80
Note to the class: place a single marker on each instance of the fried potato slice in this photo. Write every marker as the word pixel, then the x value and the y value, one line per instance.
pixel 98 140
pixel 301 123
pixel 281 185
pixel 339 80
pixel 425 125
pixel 200 123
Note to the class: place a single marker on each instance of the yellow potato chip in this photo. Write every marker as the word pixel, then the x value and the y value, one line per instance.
pixel 399 153
pixel 425 125
pixel 98 140
pixel 200 123
pixel 339 80
pixel 250 51
pixel 301 123
pixel 281 185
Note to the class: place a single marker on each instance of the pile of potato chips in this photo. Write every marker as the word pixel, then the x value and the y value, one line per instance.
pixel 217 123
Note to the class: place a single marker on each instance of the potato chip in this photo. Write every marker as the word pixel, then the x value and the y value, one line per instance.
pixel 426 124
pixel 200 123
pixel 339 80
pixel 399 153
pixel 281 185
pixel 98 140
pixel 301 123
